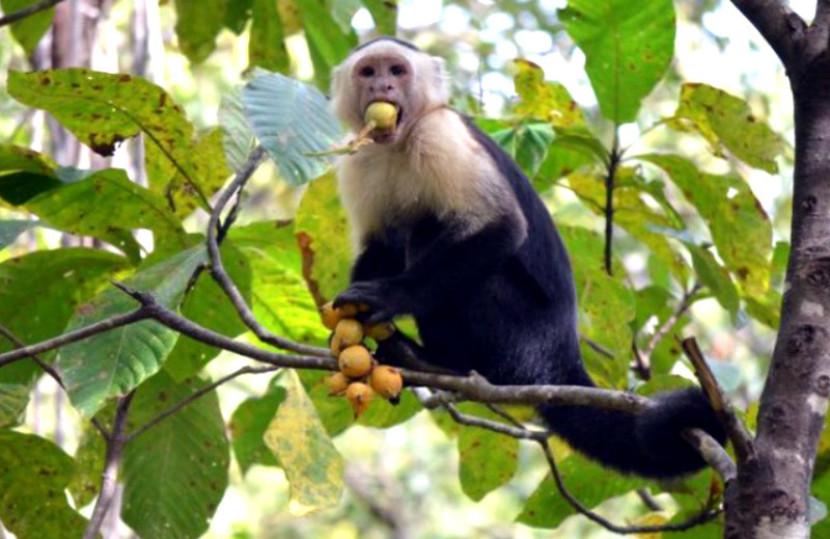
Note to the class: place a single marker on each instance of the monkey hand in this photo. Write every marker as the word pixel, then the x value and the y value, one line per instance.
pixel 384 299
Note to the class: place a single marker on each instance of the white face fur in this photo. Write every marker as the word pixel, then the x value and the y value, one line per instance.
pixel 386 71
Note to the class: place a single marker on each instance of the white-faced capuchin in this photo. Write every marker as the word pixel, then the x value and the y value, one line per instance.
pixel 449 230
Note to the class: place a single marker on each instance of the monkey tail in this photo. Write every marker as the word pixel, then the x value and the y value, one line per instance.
pixel 648 444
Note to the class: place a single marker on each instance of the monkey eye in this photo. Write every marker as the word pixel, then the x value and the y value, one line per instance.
pixel 367 71
pixel 397 70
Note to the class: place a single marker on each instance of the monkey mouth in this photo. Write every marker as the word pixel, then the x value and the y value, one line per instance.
pixel 387 134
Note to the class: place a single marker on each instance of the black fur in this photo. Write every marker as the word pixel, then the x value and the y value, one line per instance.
pixel 503 304
pixel 400 42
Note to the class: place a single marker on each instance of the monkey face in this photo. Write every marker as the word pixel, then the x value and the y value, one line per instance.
pixel 387 78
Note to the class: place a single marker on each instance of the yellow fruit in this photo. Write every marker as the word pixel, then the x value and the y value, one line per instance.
pixel 380 331
pixel 359 396
pixel 337 383
pixel 384 115
pixel 387 382
pixel 347 333
pixel 350 310
pixel 330 315
pixel 355 362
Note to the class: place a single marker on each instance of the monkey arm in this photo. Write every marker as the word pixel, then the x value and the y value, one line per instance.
pixel 448 266
pixel 378 259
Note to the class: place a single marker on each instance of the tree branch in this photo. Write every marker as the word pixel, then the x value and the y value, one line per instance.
pixel 141 313
pixel 215 233
pixel 109 478
pixel 778 24
pixel 735 430
pixel 43 5
pixel 712 452
pixel 704 516
pixel 193 397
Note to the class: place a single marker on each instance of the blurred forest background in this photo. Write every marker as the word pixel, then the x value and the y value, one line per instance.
pixel 403 481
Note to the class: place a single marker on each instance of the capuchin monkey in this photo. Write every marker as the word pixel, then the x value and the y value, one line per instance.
pixel 449 230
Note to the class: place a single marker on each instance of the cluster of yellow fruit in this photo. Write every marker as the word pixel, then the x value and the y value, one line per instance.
pixel 360 377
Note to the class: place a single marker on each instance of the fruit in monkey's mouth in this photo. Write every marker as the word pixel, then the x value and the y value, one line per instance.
pixel 383 114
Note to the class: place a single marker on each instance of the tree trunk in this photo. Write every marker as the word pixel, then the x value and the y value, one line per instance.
pixel 770 497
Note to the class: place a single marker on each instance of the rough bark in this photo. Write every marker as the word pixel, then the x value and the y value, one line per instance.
pixel 770 496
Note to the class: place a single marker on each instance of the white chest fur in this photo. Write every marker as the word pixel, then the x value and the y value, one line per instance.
pixel 438 169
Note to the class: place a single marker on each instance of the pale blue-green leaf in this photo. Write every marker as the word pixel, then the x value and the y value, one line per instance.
pixel 291 120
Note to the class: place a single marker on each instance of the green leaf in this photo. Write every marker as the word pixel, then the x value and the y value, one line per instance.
pixel 487 460
pixel 208 305
pixel 237 14
pixel 19 158
pixel 13 401
pixel 63 279
pixel 321 227
pixel 606 307
pixel 113 363
pixel 11 229
pixel 327 42
pixel 385 15
pixel 248 425
pixel 176 473
pixel 527 143
pixel 291 120
pixel 103 109
pixel 740 228
pixel 726 121
pixel 197 27
pixel 716 278
pixel 312 465
pixel 587 481
pixel 29 30
pixel 663 383
pixel 628 46
pixel 33 475
pixel 279 296
pixel 90 459
pixel 266 46
pixel 105 205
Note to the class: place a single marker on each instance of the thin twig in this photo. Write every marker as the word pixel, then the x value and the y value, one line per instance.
pixel 520 433
pixel 193 397
pixel 43 5
pixel 704 516
pixel 215 233
pixel 109 478
pixel 735 430
pixel 643 357
pixel 79 334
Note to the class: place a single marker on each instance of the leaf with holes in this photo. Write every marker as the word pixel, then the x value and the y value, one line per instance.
pixel 33 475
pixel 291 120
pixel 740 228
pixel 312 465
pixel 628 46
pixel 113 363
pixel 175 473
pixel 103 109
pixel 726 121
